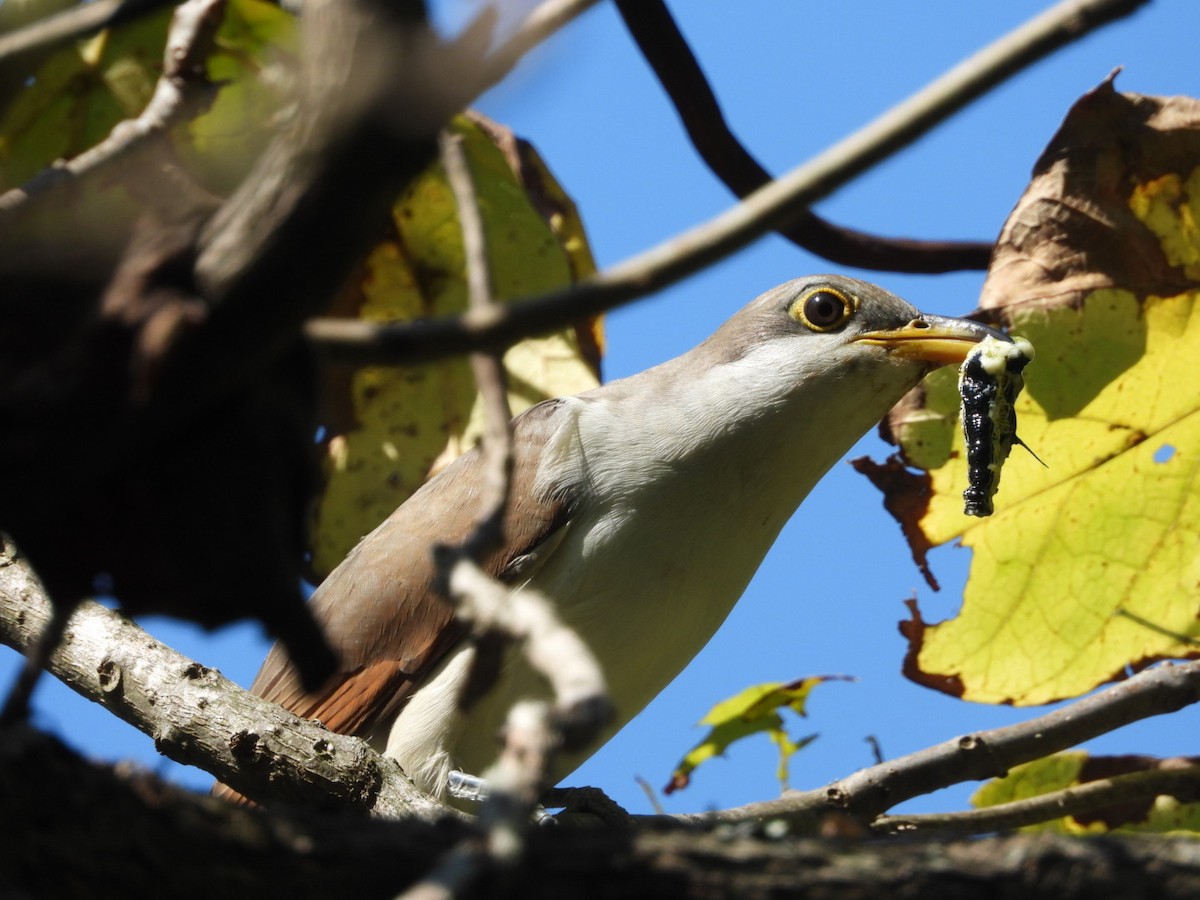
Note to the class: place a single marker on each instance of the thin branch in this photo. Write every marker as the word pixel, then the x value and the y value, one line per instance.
pixel 182 89
pixel 546 19
pixel 487 366
pixel 761 211
pixel 502 812
pixel 1181 782
pixel 664 47
pixel 553 649
pixel 868 793
pixel 533 731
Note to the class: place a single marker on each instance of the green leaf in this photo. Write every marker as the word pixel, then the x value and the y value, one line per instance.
pixel 79 94
pixel 748 712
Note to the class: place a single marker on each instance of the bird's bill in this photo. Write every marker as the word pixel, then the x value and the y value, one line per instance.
pixel 939 340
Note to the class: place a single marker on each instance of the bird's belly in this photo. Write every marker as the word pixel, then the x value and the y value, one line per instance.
pixel 646 603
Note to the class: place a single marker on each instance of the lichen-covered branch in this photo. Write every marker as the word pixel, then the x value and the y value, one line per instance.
pixel 198 717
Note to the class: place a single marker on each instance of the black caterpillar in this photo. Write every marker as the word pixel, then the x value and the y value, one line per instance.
pixel 989 382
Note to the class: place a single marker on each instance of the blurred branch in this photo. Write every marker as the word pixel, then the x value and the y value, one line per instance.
pixel 75 22
pixel 659 39
pixel 377 91
pixel 545 19
pixel 868 793
pixel 533 731
pixel 759 212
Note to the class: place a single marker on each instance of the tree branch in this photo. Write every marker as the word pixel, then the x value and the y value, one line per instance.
pixel 199 718
pixel 761 211
pixel 1181 782
pixel 124 833
pixel 868 793
pixel 659 39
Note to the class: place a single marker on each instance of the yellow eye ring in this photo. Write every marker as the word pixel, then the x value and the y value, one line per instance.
pixel 822 309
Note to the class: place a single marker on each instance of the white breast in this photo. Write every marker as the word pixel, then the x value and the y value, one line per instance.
pixel 682 505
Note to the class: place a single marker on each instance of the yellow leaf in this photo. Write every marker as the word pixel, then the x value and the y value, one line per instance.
pixel 393 427
pixel 254 45
pixel 1090 566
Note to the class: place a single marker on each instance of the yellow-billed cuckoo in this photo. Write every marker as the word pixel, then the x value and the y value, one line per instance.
pixel 641 509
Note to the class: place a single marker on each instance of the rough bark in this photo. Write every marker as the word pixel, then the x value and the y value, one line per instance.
pixel 76 829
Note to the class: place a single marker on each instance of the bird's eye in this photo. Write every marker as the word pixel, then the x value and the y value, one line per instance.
pixel 822 310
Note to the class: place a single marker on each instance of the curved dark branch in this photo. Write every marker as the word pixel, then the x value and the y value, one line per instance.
pixel 761 211
pixel 659 39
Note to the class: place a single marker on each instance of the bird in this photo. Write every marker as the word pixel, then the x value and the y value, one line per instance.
pixel 640 508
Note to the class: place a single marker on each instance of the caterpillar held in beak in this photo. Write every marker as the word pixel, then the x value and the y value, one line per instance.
pixel 989 381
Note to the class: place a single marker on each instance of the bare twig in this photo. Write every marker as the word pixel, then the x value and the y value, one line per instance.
pixel 468 860
pixel 487 366
pixel 547 18
pixel 760 212
pixel 1181 782
pixel 531 734
pixel 552 649
pixel 869 792
pixel 181 90
pixel 672 60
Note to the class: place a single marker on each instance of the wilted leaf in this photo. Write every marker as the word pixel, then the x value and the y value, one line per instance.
pixel 392 427
pixel 1090 564
pixel 1163 813
pixel 749 712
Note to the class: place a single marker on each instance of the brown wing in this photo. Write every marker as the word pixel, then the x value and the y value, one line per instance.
pixel 377 606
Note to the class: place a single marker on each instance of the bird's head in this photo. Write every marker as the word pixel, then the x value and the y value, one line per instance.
pixel 823 329
pixel 825 354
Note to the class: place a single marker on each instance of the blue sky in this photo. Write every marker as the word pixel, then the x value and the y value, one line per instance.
pixel 793 77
